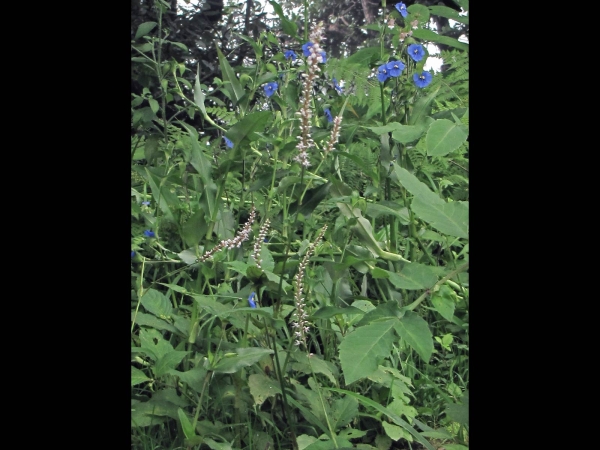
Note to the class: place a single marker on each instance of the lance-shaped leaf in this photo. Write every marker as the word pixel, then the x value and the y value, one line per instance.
pixel 247 128
pixel 444 136
pixel 449 218
pixel 235 89
pixel 428 35
pixel 245 357
pixel 137 376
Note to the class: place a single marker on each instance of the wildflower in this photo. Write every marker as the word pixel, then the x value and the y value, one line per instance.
pixel 323 58
pixel 403 35
pixel 145 203
pixel 335 134
pixel 290 54
pixel 306 48
pixel 401 7
pixel 270 88
pixel 416 52
pixel 228 143
pixel 260 239
pixel 328 114
pixel 301 325
pixel 240 237
pixel 132 253
pixel 251 301
pixel 415 23
pixel 395 68
pixel 149 233
pixel 382 74
pixel 337 86
pixel 422 80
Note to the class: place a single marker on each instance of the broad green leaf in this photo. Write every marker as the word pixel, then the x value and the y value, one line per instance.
pixel 309 364
pixel 149 320
pixel 383 208
pixel 194 378
pixel 161 194
pixel 449 13
pixel 212 306
pixel 153 340
pixel 444 137
pixel 428 35
pixel 415 331
pixel 144 29
pixel 402 409
pixel 156 303
pixel 151 147
pixel 168 361
pixel 326 312
pixel 422 109
pixel 458 413
pixel 186 425
pixel 362 350
pixel 366 169
pixel 262 387
pixel 408 133
pixel 247 128
pixel 364 56
pixel 443 302
pixel 245 357
pixel 395 432
pixel 194 229
pixel 419 12
pixel 449 218
pixel 413 276
pixel 163 403
pixel 344 410
pixel 393 416
pixel 137 376
pixel 311 200
pixel 198 159
pixel 233 86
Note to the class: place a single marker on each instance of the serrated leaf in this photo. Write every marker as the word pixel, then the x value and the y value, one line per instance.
pixel 262 387
pixel 245 357
pixel 168 361
pixel 443 302
pixel 156 303
pixel 415 331
pixel 137 376
pixel 443 137
pixel 361 350
pixel 144 29
pixel 395 432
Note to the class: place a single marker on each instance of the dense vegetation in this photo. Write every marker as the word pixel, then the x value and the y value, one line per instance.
pixel 300 247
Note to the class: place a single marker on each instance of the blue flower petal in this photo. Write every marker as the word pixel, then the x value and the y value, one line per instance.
pixel 228 143
pixel 270 88
pixel 251 301
pixel 290 54
pixel 401 7
pixel 423 79
pixel 328 114
pixel 416 52
pixel 382 73
pixel 305 48
pixel 149 233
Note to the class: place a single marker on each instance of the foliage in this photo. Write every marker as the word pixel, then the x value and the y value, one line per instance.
pixel 299 271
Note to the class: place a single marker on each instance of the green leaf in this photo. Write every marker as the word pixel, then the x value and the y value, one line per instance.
pixel 144 29
pixel 419 12
pixel 449 218
pixel 408 133
pixel 149 320
pixel 198 160
pixel 311 200
pixel 247 128
pixel 168 361
pixel 234 87
pixel 422 109
pixel 194 229
pixel 151 147
pixel 413 276
pixel 155 342
pixel 161 194
pixel 199 96
pixel 344 410
pixel 395 432
pixel 262 387
pixel 326 312
pixel 393 416
pixel 449 13
pixel 194 378
pixel 186 425
pixel 137 376
pixel 443 302
pixel 245 357
pixel 444 137
pixel 156 303
pixel 153 105
pixel 361 350
pixel 415 331
pixel 428 35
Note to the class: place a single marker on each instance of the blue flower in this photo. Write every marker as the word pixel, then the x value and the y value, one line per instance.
pixel 149 233
pixel 228 143
pixel 395 68
pixel 337 86
pixel 305 48
pixel 270 88
pixel 416 52
pixel 328 114
pixel 132 253
pixel 383 73
pixel 324 57
pixel 145 203
pixel 401 7
pixel 290 54
pixel 422 80
pixel 251 301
